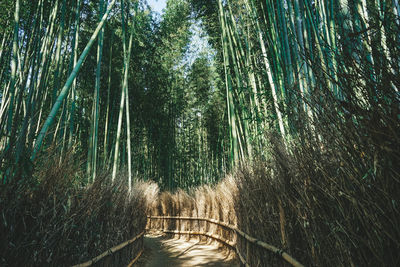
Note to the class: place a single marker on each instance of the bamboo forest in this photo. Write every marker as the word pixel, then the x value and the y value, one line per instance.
pixel 199 133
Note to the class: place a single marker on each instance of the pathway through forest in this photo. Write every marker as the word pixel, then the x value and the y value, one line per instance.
pixel 161 251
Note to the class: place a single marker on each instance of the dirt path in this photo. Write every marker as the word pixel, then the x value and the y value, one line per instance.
pixel 160 251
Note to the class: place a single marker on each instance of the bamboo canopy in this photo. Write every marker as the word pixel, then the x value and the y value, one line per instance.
pixel 282 114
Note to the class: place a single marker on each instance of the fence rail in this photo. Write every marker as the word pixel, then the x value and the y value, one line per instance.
pixel 229 243
pixel 112 251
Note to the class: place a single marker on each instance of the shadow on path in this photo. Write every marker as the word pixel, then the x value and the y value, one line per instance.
pixel 160 251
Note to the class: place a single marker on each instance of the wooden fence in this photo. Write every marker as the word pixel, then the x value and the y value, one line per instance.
pixel 230 242
pixel 114 250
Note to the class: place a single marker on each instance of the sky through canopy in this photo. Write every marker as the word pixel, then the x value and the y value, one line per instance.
pixel 157 5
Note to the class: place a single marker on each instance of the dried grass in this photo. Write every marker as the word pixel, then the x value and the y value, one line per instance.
pixel 325 207
pixel 331 195
pixel 51 220
pixel 203 202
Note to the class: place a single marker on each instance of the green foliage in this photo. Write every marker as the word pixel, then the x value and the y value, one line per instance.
pixel 6 12
pixel 274 67
pixel 319 76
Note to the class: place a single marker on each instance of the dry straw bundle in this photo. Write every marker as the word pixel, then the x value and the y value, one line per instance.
pixel 51 220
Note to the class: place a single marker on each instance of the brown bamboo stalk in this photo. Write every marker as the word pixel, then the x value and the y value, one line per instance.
pixel 110 251
pixel 216 237
pixel 135 259
pixel 194 219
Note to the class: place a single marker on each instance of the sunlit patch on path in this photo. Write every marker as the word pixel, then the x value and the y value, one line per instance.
pixel 161 251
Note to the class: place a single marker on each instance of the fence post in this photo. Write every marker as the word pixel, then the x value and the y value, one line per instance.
pixel 247 251
pixel 148 224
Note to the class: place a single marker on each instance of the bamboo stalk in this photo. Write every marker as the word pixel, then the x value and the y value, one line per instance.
pixel 106 132
pixel 13 77
pixel 73 62
pixel 216 237
pixel 135 259
pixel 110 252
pixel 68 84
pixel 92 165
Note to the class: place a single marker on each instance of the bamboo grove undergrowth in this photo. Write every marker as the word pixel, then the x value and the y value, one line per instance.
pixel 307 91
pixel 312 97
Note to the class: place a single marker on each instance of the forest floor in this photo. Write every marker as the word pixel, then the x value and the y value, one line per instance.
pixel 162 251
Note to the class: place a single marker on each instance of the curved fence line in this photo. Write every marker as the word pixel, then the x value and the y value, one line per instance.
pixel 213 236
pixel 244 235
pixel 112 251
pixel 135 259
